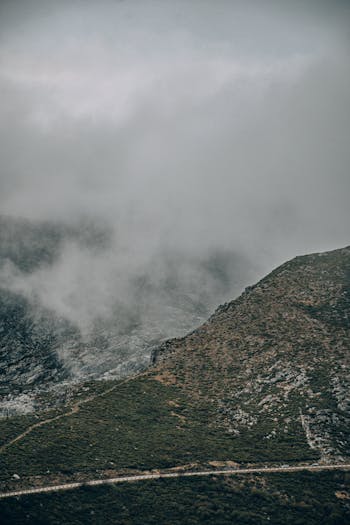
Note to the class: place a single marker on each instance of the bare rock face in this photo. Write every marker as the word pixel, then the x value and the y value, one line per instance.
pixel 28 344
pixel 276 360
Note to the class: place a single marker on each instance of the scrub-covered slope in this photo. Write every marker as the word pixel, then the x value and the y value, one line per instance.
pixel 276 360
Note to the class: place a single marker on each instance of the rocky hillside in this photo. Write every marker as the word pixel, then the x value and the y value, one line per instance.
pixel 34 338
pixel 276 360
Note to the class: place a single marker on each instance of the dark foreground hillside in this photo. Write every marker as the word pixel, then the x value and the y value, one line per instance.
pixel 291 499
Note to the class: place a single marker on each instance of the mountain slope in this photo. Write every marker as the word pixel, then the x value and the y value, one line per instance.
pixel 263 380
pixel 276 360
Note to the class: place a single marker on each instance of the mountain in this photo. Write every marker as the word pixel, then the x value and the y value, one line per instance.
pixel 275 361
pixel 263 382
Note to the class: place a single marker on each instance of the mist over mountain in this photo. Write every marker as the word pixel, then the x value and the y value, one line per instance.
pixel 72 306
pixel 156 158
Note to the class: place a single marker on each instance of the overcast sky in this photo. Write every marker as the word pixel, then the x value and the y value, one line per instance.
pixel 195 124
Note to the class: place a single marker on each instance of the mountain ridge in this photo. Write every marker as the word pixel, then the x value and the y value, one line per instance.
pixel 276 355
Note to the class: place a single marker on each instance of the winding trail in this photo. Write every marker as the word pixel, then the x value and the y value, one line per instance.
pixel 73 410
pixel 163 475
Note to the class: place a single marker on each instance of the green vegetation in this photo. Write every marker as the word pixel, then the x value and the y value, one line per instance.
pixel 142 424
pixel 292 499
pixel 12 426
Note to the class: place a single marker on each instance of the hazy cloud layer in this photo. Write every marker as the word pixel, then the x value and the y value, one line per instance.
pixel 192 127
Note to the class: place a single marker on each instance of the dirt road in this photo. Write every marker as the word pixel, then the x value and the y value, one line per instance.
pixel 143 477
